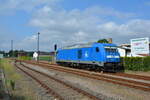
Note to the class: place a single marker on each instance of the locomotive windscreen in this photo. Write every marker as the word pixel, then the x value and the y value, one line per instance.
pixel 111 49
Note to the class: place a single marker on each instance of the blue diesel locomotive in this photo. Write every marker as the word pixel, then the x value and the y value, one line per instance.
pixel 98 56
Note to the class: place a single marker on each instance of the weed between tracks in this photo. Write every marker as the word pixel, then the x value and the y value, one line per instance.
pixel 22 89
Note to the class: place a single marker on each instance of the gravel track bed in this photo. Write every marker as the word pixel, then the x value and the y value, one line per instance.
pixel 106 90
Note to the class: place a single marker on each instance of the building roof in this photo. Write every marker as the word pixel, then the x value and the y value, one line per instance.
pixel 144 54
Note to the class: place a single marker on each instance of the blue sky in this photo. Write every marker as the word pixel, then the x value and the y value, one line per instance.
pixel 133 6
pixel 68 22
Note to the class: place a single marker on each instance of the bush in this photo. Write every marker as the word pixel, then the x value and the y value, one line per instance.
pixel 137 63
pixel 146 63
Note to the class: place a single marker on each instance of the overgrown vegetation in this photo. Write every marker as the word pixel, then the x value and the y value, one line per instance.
pixel 25 58
pixel 9 70
pixel 137 63
pixel 21 90
pixel 10 74
pixel 46 58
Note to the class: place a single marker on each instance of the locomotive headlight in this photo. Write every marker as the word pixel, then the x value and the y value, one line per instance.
pixel 111 56
pixel 116 56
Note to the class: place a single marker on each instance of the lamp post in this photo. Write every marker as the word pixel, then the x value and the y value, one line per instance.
pixel 38 46
pixel 12 48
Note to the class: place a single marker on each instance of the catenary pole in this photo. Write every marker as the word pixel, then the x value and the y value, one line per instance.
pixel 12 48
pixel 38 51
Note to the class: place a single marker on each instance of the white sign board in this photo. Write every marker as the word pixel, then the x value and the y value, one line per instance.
pixel 139 46
pixel 1 55
pixel 35 55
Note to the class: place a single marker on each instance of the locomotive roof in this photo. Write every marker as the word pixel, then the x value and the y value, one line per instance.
pixel 87 45
pixel 78 46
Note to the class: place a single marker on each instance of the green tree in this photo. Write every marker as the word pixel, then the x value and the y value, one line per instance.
pixel 13 53
pixel 2 52
pixel 30 54
pixel 102 41
pixel 10 53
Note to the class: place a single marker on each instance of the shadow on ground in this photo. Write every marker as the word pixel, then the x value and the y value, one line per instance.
pixel 18 98
pixel 6 96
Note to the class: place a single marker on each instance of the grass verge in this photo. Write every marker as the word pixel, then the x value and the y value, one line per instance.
pixel 22 90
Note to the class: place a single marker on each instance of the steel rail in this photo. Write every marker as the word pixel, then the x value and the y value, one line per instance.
pixel 135 76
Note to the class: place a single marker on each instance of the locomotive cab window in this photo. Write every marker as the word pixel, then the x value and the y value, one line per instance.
pixel 97 49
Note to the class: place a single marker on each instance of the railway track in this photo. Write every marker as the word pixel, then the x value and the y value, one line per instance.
pixel 145 86
pixel 147 78
pixel 56 87
pixel 48 90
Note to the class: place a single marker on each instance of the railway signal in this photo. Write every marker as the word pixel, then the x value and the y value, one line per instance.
pixel 55 47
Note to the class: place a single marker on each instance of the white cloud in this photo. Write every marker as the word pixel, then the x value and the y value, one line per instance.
pixel 105 12
pixel 123 32
pixel 10 6
pixel 75 26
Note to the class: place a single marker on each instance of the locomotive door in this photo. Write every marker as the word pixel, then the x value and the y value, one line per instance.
pixel 79 54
